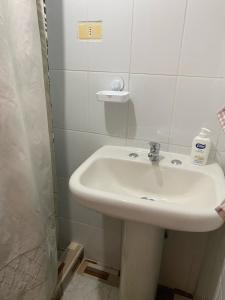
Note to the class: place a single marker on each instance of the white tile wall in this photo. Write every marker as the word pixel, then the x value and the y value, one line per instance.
pixel 157 35
pixel 150 110
pixel 179 149
pixel 65 50
pixel 144 144
pixel 221 141
pixel 196 103
pixel 100 244
pixel 188 259
pixel 112 54
pixel 70 99
pixel 203 52
pixel 211 285
pixel 73 147
pixel 73 211
pixel 164 50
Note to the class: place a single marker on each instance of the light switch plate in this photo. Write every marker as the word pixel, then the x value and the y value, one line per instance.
pixel 90 30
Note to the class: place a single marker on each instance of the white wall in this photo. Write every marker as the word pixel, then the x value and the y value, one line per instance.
pixel 211 285
pixel 171 54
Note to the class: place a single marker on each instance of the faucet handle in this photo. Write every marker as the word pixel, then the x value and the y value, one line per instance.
pixel 154 146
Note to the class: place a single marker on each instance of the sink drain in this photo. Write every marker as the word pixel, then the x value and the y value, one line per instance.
pixel 133 155
pixel 146 198
pixel 176 162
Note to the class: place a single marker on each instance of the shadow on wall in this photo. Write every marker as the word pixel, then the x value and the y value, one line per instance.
pixel 112 242
pixel 111 111
pixel 100 234
pixel 212 274
pixel 61 57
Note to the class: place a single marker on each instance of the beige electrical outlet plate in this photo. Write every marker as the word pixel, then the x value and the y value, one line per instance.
pixel 90 30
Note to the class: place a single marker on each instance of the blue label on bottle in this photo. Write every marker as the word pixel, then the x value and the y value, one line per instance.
pixel 200 146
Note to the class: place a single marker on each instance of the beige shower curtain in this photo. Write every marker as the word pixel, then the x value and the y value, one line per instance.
pixel 27 218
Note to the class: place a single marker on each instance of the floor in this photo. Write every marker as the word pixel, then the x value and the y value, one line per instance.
pixel 85 287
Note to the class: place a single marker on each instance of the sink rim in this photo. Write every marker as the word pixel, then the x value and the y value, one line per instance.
pixel 159 213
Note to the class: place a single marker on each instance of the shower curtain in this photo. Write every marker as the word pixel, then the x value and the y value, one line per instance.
pixel 27 217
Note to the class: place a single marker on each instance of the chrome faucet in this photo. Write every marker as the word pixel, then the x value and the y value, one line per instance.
pixel 154 151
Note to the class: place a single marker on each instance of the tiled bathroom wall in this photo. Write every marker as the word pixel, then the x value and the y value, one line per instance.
pixel 211 285
pixel 171 55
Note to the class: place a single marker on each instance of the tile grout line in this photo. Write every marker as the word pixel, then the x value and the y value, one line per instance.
pixel 129 72
pixel 123 140
pixel 115 136
pixel 81 223
pixel 177 78
pixel 89 101
pixel 139 73
pixel 182 38
pixel 90 132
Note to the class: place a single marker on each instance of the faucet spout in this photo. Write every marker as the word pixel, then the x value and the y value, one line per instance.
pixel 153 154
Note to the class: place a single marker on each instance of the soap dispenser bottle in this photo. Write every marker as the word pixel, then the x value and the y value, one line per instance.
pixel 201 147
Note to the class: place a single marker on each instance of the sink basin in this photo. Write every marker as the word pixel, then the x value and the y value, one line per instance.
pixel 174 196
pixel 172 193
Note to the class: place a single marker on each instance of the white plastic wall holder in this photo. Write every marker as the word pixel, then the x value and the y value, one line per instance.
pixel 117 84
pixel 116 95
pixel 113 96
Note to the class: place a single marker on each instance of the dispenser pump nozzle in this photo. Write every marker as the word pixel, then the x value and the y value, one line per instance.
pixel 205 132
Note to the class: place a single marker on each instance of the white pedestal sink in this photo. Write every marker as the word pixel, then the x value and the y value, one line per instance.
pixel 141 257
pixel 148 197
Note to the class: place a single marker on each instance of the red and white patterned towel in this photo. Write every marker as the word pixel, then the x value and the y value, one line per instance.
pixel 221 118
pixel 221 210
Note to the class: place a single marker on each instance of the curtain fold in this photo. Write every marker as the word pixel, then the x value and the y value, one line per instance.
pixel 27 217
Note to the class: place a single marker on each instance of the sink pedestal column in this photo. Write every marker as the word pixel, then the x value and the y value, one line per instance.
pixel 141 257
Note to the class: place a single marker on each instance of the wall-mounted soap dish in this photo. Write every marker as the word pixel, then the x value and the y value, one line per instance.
pixel 116 95
pixel 113 96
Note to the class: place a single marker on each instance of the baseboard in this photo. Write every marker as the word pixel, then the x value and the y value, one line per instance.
pixel 68 263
